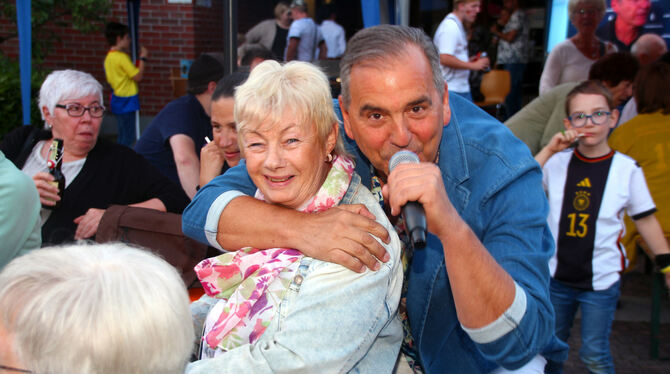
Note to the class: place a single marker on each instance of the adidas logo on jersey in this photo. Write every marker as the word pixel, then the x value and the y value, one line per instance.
pixel 584 183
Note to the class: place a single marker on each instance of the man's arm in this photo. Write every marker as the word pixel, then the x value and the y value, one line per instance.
pixel 653 235
pixel 341 235
pixel 498 274
pixel 323 50
pixel 292 49
pixel 454 63
pixel 188 165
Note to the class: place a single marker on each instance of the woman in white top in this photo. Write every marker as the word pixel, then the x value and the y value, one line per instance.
pixel 571 59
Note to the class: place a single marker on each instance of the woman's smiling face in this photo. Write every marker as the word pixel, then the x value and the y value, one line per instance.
pixel 286 160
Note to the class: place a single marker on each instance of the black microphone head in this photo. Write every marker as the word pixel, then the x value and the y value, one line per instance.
pixel 403 157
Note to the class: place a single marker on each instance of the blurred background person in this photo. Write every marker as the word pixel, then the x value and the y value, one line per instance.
pixel 452 45
pixel 223 152
pixel 647 49
pixel 97 173
pixel 333 33
pixel 570 60
pixel 123 76
pixel 254 55
pixel 93 309
pixel 20 230
pixel 645 138
pixel 513 52
pixel 626 27
pixel 271 33
pixel 305 41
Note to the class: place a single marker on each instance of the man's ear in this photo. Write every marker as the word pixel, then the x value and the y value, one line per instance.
pixel 345 117
pixel 446 110
pixel 211 86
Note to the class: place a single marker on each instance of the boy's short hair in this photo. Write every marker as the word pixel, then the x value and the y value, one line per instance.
pixel 256 51
pixel 225 88
pixel 613 68
pixel 651 88
pixel 115 30
pixel 590 87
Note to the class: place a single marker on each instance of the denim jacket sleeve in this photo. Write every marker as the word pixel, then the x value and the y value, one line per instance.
pixel 339 321
pixel 201 217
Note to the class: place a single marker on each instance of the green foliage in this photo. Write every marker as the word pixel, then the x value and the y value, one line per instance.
pixel 85 16
pixel 82 15
pixel 11 109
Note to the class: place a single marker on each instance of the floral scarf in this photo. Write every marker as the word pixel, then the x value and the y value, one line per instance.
pixel 252 282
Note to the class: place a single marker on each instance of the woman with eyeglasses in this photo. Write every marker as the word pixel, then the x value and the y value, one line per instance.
pixel 97 173
pixel 570 60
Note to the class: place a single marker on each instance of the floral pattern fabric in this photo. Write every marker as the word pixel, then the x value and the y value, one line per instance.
pixel 252 282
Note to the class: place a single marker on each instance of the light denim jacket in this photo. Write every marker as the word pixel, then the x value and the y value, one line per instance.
pixel 496 186
pixel 331 320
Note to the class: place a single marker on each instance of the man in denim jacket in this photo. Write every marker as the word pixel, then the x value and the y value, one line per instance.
pixel 477 296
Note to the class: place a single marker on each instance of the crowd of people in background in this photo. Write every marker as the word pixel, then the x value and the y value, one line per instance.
pixel 297 193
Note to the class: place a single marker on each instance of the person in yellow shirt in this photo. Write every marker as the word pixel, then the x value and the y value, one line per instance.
pixel 123 76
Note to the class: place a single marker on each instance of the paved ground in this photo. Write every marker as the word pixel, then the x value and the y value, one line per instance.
pixel 630 331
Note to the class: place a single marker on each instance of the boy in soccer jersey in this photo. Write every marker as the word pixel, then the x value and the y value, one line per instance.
pixel 588 189
pixel 123 76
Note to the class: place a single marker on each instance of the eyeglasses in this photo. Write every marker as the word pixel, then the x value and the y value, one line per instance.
pixel 598 117
pixel 77 110
pixel 13 369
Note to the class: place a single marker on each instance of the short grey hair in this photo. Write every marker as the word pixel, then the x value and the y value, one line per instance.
pixel 383 43
pixel 599 4
pixel 103 308
pixel 273 89
pixel 67 85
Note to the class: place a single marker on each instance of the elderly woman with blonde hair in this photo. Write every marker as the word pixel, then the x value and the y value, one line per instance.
pixel 277 310
pixel 570 60
pixel 93 309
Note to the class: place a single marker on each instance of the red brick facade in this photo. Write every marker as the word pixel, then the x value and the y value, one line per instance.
pixel 171 32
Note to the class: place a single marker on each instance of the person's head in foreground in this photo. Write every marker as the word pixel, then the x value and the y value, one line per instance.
pixel 616 71
pixel 288 131
pixel 94 309
pixel 393 94
pixel 71 104
pixel 223 118
pixel 591 112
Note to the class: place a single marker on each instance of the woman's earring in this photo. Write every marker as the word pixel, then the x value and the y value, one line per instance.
pixel 329 158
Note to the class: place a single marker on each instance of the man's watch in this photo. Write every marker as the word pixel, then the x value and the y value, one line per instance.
pixel 144 59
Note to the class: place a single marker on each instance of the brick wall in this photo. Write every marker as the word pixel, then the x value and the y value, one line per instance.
pixel 171 32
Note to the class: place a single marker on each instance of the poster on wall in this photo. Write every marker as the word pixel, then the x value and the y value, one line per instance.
pixel 623 23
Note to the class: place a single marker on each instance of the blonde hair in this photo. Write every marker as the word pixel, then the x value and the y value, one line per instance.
pixel 96 309
pixel 299 87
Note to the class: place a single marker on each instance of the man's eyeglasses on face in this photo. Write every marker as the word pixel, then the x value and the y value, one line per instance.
pixel 598 117
pixel 77 110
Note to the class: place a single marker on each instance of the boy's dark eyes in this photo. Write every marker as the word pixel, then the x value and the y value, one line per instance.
pixel 599 113
pixel 579 115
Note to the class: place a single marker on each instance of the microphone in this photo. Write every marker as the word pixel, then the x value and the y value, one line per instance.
pixel 412 212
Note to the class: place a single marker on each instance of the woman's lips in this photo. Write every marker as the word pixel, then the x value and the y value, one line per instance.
pixel 278 180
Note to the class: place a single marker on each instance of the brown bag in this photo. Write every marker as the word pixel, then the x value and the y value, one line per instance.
pixel 157 231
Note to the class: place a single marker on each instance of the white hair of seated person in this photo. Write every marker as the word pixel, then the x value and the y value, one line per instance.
pixel 67 85
pixel 96 309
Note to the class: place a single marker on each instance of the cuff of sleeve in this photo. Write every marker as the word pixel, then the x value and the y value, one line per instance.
pixel 213 215
pixel 507 322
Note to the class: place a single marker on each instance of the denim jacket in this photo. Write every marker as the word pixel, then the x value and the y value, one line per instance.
pixel 331 320
pixel 496 186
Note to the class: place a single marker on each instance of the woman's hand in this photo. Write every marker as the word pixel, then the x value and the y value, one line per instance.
pixel 87 225
pixel 48 192
pixel 211 162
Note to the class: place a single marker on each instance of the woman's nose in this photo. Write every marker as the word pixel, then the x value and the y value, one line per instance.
pixel 274 158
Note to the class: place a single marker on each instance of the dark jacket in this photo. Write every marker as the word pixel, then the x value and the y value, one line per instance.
pixel 112 174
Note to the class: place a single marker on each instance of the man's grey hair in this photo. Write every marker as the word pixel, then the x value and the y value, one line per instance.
pixel 104 308
pixel 383 44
